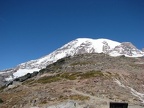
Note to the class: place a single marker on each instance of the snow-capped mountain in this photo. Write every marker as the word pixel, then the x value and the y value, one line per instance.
pixel 78 46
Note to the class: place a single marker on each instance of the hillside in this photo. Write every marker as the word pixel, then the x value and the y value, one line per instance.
pixel 80 81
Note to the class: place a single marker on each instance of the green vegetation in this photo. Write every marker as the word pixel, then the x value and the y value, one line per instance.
pixel 81 75
pixel 68 76
pixel 48 79
pixel 30 81
pixel 3 87
pixel 90 74
pixel 108 74
pixel 74 97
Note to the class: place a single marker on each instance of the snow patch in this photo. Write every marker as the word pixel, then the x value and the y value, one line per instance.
pixel 21 72
pixel 2 72
pixel 137 94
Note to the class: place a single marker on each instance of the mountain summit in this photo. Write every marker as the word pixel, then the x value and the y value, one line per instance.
pixel 78 46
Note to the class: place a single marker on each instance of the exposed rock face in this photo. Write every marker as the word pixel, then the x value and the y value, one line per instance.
pixel 127 48
pixel 2 81
pixel 25 77
pixel 106 47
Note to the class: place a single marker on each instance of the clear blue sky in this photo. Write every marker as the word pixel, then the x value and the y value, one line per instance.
pixel 30 29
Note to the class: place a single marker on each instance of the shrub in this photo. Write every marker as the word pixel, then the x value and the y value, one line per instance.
pixel 1 101
pixel 69 76
pixel 30 81
pixel 79 97
pixel 3 87
pixel 91 74
pixel 48 79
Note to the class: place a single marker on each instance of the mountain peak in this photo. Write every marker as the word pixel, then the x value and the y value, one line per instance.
pixel 90 39
pixel 79 46
pixel 128 44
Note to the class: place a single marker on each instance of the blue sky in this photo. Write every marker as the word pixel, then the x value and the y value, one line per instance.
pixel 30 29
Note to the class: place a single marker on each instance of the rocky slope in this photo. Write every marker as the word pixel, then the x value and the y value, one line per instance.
pixel 78 46
pixel 80 81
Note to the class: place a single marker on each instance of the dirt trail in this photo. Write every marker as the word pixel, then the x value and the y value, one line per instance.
pixel 91 97
pixel 97 101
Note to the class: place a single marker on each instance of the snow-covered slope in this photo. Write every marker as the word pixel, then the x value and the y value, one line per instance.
pixel 78 46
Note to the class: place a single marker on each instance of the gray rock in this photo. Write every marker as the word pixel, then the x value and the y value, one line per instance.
pixel 69 104
pixel 23 78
